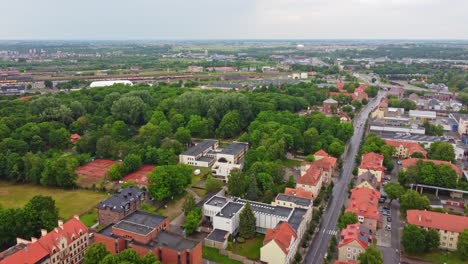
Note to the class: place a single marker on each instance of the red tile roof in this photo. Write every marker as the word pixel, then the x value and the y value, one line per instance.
pixel 74 138
pixel 340 85
pixel 311 177
pixel 354 233
pixel 345 262
pixel 383 103
pixel 412 161
pixel 372 161
pixel 299 192
pixel 42 248
pixel 326 163
pixel 321 152
pixel 282 234
pixel 452 223
pixel 140 176
pixel 411 146
pixel 364 202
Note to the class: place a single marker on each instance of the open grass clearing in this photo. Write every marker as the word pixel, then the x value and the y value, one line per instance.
pixel 213 255
pixel 250 248
pixel 441 257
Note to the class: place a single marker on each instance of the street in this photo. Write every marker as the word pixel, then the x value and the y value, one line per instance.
pixel 329 219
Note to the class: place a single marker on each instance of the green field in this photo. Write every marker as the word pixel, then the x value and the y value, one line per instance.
pixel 69 202
pixel 441 257
pixel 213 255
pixel 250 248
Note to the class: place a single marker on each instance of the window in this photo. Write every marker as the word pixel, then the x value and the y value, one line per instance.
pixel 349 249
pixel 349 255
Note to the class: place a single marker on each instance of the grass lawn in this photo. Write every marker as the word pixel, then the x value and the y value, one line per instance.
pixel 200 192
pixel 441 257
pixel 213 255
pixel 291 163
pixel 203 173
pixel 69 202
pixel 174 207
pixel 250 248
pixel 89 218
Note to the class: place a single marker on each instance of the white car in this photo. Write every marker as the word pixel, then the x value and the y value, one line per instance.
pixel 388 227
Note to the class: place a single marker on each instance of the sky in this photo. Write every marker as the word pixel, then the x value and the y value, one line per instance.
pixel 233 19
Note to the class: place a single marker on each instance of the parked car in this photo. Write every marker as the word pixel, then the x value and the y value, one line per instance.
pixel 385 212
pixel 389 219
pixel 386 207
pixel 388 178
pixel 388 227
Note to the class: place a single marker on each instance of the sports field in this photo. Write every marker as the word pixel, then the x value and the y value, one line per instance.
pixel 93 172
pixel 69 202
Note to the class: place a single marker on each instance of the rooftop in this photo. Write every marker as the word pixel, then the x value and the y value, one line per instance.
pixel 133 227
pixel 418 113
pixel 412 147
pixel 268 209
pixel 230 209
pixel 217 201
pixel 296 217
pixel 330 101
pixel 144 218
pixel 442 221
pixel 172 241
pixel 122 198
pixel 218 235
pixel 355 232
pixel 299 192
pixel 282 234
pixel 234 148
pixel 364 202
pixel 294 199
pixel 200 147
pixel 412 161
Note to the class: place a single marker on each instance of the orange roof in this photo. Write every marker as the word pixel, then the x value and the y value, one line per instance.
pixel 345 262
pixel 364 202
pixel 355 232
pixel 340 85
pixel 412 161
pixel 43 247
pixel 372 161
pixel 411 146
pixel 140 176
pixel 282 234
pixel 383 103
pixel 452 223
pixel 321 152
pixel 299 192
pixel 311 177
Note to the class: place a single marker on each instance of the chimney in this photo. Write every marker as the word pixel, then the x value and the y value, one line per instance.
pixel 56 230
pixel 60 223
pixel 43 232
pixel 419 218
pixel 33 239
pixel 76 217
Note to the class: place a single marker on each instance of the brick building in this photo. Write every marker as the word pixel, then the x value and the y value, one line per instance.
pixel 150 233
pixel 330 106
pixel 67 243
pixel 123 203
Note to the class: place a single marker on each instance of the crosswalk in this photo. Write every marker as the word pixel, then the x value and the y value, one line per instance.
pixel 330 232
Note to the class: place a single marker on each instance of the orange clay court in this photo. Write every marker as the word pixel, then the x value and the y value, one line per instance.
pixel 140 176
pixel 94 171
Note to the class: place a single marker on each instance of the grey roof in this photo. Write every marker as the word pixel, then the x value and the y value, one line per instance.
pixel 133 227
pixel 364 234
pixel 367 176
pixel 200 147
pixel 268 209
pixel 417 138
pixel 123 197
pixel 107 231
pixel 145 218
pixel 172 241
pixel 206 158
pixel 217 201
pixel 331 101
pixel 230 209
pixel 294 199
pixel 235 148
pixel 217 235
pixel 296 218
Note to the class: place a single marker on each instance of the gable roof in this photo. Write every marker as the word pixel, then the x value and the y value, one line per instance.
pixel 367 177
pixel 282 234
pixel 364 202
pixel 449 222
pixel 412 147
pixel 321 153
pixel 412 161
pixel 298 192
pixel 372 161
pixel 355 232
pixel 311 177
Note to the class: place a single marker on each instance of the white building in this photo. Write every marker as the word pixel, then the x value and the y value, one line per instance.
pixel 417 114
pixel 200 155
pixel 229 158
pixel 109 83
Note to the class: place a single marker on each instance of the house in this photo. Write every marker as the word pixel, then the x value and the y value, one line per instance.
pixel 405 149
pixel 394 112
pixel 200 155
pixel 149 233
pixel 340 86
pixel 330 106
pixel 324 162
pixel 194 69
pixel 359 93
pixel 413 97
pixel 123 203
pixel 74 138
pixel 396 91
pixel 367 180
pixel 373 163
pixel 292 201
pixel 344 118
pixel 279 245
pixel 405 164
pixel 449 226
pixel 311 181
pixel 66 243
pixel 364 202
pixel 463 125
pixel 354 240
pixel 381 109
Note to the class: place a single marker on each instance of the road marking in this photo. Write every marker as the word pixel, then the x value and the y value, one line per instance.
pixel 332 232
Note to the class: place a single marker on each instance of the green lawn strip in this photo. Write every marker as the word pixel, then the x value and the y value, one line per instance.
pixel 89 218
pixel 213 255
pixel 69 202
pixel 441 257
pixel 291 163
pixel 250 248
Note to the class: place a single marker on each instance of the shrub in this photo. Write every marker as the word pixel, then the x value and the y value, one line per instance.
pixel 240 240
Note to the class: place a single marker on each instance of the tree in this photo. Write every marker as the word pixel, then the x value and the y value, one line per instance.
pixel 169 180
pixel 95 253
pixel 311 140
pixel 189 204
pixel 183 136
pixel 462 245
pixel 372 255
pixel 105 147
pixel 213 184
pixel 114 173
pixel 247 222
pixel 432 240
pixel 394 190
pixel 131 163
pixel 238 183
pixel 412 200
pixel 336 148
pixel 130 109
pixel 346 219
pixel 192 220
pixel 48 84
pixel 441 151
pixel 230 125
pixel 43 214
pixel 413 239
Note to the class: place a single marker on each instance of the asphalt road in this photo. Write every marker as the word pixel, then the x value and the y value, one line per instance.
pixel 330 216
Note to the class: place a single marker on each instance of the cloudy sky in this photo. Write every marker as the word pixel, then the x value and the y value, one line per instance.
pixel 233 19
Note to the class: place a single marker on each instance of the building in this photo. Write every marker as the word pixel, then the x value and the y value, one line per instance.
pixel 373 163
pixel 367 180
pixel 279 245
pixel 149 233
pixel 13 89
pixel 405 164
pixel 298 192
pixel 422 115
pixel 74 138
pixel 463 125
pixel 330 106
pixel 292 201
pixel 123 203
pixel 405 149
pixel 449 226
pixel 359 93
pixel 396 91
pixel 229 158
pixel 201 154
pixel 354 240
pixel 311 181
pixel 194 69
pixel 109 83
pixel 364 203
pixel 66 243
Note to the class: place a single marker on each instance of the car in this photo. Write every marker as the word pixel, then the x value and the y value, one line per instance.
pixel 399 162
pixel 385 207
pixel 389 219
pixel 388 227
pixel 388 178
pixel 385 212
pixel 385 183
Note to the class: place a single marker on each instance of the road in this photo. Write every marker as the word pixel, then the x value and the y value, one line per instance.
pixel 330 216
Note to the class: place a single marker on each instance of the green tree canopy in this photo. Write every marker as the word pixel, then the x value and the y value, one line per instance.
pixel 247 222
pixel 442 151
pixel 346 219
pixel 413 200
pixel 169 180
pixel 372 255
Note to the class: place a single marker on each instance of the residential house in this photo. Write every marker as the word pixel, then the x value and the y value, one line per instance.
pixel 413 97
pixel 367 180
pixel 298 192
pixel 373 163
pixel 66 243
pixel 449 226
pixel 123 203
pixel 404 149
pixel 74 138
pixel 149 233
pixel 292 201
pixel 381 109
pixel 311 181
pixel 405 164
pixel 354 240
pixel 396 91
pixel 364 202
pixel 359 93
pixel 463 125
pixel 279 245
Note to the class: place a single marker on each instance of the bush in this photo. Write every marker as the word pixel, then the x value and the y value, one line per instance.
pixel 241 240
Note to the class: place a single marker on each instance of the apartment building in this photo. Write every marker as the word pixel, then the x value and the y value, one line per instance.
pixel 354 240
pixel 200 155
pixel 279 245
pixel 364 202
pixel 404 149
pixel 373 163
pixel 123 203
